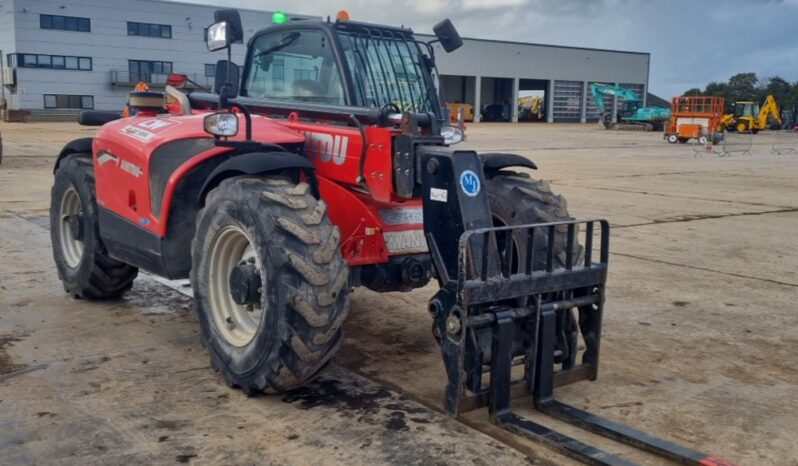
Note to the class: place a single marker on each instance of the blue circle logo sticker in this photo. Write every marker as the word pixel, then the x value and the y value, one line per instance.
pixel 469 183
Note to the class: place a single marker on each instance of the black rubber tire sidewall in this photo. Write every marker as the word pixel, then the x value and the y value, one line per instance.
pixel 517 199
pixel 248 358
pixel 305 296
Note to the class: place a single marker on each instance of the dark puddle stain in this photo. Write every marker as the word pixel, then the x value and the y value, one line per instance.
pixel 396 421
pixel 7 365
pixel 332 393
pixel 184 458
pixel 681 303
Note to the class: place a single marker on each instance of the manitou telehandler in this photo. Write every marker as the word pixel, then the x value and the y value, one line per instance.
pixel 323 165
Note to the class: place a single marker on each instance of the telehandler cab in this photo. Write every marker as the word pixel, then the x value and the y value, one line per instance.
pixel 342 176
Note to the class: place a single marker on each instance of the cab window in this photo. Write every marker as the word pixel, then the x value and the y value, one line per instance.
pixel 294 65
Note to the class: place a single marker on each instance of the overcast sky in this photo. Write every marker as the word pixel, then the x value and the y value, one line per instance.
pixel 691 42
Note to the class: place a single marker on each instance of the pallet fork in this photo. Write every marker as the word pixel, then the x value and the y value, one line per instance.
pixel 521 327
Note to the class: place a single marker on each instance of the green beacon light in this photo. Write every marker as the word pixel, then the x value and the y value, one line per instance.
pixel 279 17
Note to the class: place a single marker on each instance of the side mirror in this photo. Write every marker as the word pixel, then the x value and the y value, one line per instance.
pixel 225 30
pixel 447 35
pixel 218 37
pixel 228 77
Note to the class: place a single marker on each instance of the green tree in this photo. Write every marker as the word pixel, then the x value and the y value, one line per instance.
pixel 693 91
pixel 717 88
pixel 743 86
pixel 779 88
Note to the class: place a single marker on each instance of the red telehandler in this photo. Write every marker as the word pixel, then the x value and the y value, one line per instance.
pixel 324 164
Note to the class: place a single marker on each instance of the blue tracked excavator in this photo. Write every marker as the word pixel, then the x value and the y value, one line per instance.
pixel 632 116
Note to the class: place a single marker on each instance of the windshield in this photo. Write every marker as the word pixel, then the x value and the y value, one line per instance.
pixel 294 65
pixel 743 109
pixel 389 70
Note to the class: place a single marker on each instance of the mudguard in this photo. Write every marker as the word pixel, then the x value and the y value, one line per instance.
pixel 255 163
pixel 494 161
pixel 77 146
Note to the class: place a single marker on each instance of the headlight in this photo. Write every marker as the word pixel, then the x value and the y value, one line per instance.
pixel 451 134
pixel 222 124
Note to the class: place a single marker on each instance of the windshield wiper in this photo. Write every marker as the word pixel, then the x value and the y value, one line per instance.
pixel 284 42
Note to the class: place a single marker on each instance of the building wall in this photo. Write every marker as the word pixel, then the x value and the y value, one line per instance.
pixel 479 57
pixel 6 41
pixel 568 69
pixel 110 47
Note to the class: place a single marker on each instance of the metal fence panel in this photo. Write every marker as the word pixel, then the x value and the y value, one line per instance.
pixel 734 143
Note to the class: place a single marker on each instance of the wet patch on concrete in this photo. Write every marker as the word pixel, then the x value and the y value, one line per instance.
pixel 351 397
pixel 7 365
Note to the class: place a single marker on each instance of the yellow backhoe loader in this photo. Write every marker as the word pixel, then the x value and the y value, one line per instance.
pixel 749 116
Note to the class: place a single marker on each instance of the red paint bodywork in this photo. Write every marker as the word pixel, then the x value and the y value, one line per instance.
pixel 123 179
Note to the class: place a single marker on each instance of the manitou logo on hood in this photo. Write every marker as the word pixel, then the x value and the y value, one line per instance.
pixel 326 147
pixel 127 167
pixel 106 157
pixel 147 129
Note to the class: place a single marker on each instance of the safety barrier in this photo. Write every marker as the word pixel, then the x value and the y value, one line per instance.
pixel 734 143
pixel 784 142
pixel 700 149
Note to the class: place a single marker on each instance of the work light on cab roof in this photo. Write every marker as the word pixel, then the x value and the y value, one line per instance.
pixel 278 17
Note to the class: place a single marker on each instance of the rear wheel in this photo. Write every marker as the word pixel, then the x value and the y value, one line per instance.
pixel 270 285
pixel 672 138
pixel 84 266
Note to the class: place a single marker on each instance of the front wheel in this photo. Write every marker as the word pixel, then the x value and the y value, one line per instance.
pixel 517 199
pixel 672 138
pixel 270 285
pixel 84 266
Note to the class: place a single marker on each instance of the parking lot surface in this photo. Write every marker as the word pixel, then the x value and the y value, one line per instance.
pixel 699 342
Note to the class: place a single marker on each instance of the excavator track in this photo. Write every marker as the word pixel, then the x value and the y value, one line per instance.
pixel 627 126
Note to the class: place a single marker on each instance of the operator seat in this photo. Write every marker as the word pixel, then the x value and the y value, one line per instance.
pixel 307 88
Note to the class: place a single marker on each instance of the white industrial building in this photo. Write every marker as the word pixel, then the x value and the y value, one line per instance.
pixel 60 56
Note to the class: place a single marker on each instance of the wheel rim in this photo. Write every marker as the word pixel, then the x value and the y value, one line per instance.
pixel 238 323
pixel 71 213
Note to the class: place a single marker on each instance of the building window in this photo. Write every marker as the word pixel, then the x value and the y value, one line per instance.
pixel 309 75
pixel 68 101
pixel 143 70
pixel 65 23
pixel 149 30
pixel 210 71
pixel 58 62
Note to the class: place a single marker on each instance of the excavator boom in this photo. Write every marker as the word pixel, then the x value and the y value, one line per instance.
pixel 769 108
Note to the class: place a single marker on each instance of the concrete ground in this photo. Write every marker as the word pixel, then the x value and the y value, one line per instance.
pixel 698 341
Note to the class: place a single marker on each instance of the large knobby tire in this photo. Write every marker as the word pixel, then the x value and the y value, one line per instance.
pixel 270 285
pixel 517 199
pixel 84 266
